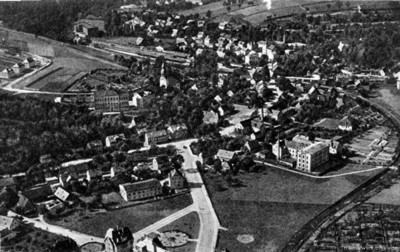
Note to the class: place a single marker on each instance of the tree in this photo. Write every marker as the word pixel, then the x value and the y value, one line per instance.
pixel 208 14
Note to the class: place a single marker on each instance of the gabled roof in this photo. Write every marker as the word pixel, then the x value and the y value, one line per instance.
pixel 175 173
pixel 61 194
pixel 177 127
pixel 115 138
pixel 210 117
pixel 225 154
pixel 95 173
pixel 7 182
pixel 6 222
pixel 158 133
pixel 38 192
pixel 142 185
pixel 295 145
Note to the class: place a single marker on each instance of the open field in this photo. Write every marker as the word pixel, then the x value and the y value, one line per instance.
pixel 136 218
pixel 390 196
pixel 273 206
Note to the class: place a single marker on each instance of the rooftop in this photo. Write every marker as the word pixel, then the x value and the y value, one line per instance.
pixel 142 185
pixel 314 148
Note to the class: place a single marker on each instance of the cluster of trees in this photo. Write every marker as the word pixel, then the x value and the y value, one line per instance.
pixel 31 128
pixel 53 19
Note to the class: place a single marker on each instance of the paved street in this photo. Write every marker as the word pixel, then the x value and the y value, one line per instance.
pixel 167 220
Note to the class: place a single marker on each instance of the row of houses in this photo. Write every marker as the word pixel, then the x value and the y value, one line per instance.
pixel 18 68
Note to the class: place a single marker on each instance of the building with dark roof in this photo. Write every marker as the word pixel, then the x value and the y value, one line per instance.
pixel 155 137
pixel 89 26
pixel 111 101
pixel 177 131
pixel 118 240
pixel 140 190
pixel 8 182
pixel 161 163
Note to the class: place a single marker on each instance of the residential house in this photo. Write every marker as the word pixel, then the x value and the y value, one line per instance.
pixel 8 182
pixel 225 155
pixel 111 101
pixel 24 205
pixel 177 131
pixel 345 124
pixel 29 63
pixel 95 145
pixel 90 26
pixel 114 139
pixel 139 122
pixel 137 101
pixel 210 117
pixel 176 179
pixel 118 240
pixel 62 194
pixel 253 146
pixel 115 170
pixel 94 174
pixel 8 225
pixel 155 137
pixel 312 156
pixel 38 192
pixel 18 68
pixel 140 190
pixel 45 159
pixel 161 163
pixel 7 73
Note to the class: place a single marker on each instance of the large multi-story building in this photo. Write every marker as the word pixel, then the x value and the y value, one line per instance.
pixel 111 101
pixel 155 137
pixel 312 156
pixel 140 190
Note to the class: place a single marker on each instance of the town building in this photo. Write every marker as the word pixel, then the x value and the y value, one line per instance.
pixel 93 174
pixel 24 206
pixel 90 26
pixel 7 227
pixel 210 117
pixel 177 131
pixel 140 190
pixel 38 192
pixel 7 73
pixel 155 137
pixel 137 101
pixel 18 68
pixel 95 145
pixel 62 194
pixel 225 155
pixel 111 101
pixel 118 240
pixel 8 182
pixel 161 163
pixel 346 124
pixel 29 63
pixel 176 179
pixel 252 146
pixel 114 139
pixel 312 156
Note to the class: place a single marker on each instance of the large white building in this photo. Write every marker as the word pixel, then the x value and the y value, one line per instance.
pixel 312 156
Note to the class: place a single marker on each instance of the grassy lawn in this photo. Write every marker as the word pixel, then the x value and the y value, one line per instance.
pixel 390 196
pixel 136 218
pixel 189 224
pixel 272 206
pixel 189 247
